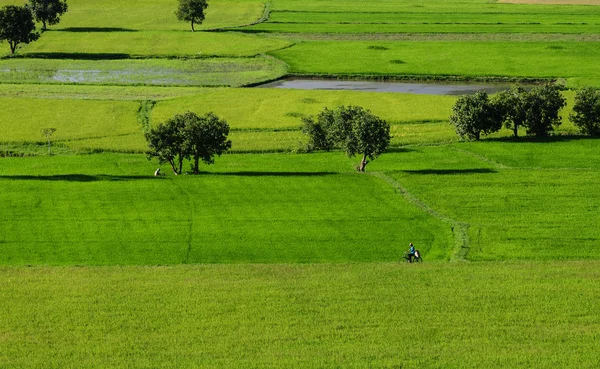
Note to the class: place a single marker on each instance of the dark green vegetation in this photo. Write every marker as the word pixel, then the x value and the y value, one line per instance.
pixel 537 110
pixel 354 129
pixel 188 136
pixel 16 26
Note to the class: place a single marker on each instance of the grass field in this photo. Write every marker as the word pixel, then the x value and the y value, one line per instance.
pixel 499 59
pixel 162 72
pixel 486 315
pixel 525 201
pixel 109 209
pixel 272 258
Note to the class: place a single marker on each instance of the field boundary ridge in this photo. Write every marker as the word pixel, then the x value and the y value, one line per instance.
pixel 459 229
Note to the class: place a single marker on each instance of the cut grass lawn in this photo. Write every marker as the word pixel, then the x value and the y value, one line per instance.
pixel 477 315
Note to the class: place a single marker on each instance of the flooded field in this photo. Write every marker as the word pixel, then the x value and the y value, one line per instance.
pixel 372 86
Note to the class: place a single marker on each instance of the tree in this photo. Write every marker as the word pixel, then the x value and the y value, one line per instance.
pixel 48 11
pixel 317 129
pixel 191 11
pixel 48 132
pixel 188 136
pixel 475 114
pixel 542 107
pixel 353 128
pixel 17 26
pixel 511 105
pixel 166 142
pixel 586 111
pixel 205 137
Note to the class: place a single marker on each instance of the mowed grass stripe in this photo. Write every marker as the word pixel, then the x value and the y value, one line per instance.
pixel 491 315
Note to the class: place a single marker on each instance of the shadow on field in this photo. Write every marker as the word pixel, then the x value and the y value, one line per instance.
pixel 77 178
pixel 399 149
pixel 271 174
pixel 451 171
pixel 95 29
pixel 533 139
pixel 77 56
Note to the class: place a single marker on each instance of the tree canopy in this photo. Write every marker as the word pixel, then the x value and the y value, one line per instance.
pixel 191 11
pixel 353 128
pixel 513 108
pixel 586 111
pixel 475 114
pixel 48 11
pixel 17 26
pixel 543 105
pixel 205 137
pixel 188 136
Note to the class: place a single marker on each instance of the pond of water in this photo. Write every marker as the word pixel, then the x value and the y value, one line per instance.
pixel 406 87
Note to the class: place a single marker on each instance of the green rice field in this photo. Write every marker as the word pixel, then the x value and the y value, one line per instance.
pixel 274 257
pixel 492 315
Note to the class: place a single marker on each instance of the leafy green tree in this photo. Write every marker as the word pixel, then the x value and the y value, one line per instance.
pixel 475 114
pixel 353 128
pixel 543 105
pixel 191 11
pixel 511 105
pixel 48 11
pixel 17 26
pixel 317 129
pixel 166 142
pixel 205 137
pixel 586 111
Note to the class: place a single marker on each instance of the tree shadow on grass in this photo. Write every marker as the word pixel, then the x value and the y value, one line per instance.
pixel 95 29
pixel 451 171
pixel 270 174
pixel 397 149
pixel 77 178
pixel 77 56
pixel 548 139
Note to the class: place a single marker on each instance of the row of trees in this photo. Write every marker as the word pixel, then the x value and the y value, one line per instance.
pixel 536 111
pixel 188 136
pixel 17 24
pixel 192 137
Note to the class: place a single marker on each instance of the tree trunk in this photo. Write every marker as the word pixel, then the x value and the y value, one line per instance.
pixel 13 46
pixel 516 130
pixel 43 25
pixel 196 164
pixel 193 30
pixel 172 162
pixel 180 163
pixel 363 163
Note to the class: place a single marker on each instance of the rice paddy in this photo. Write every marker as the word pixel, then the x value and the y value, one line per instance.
pixel 273 257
